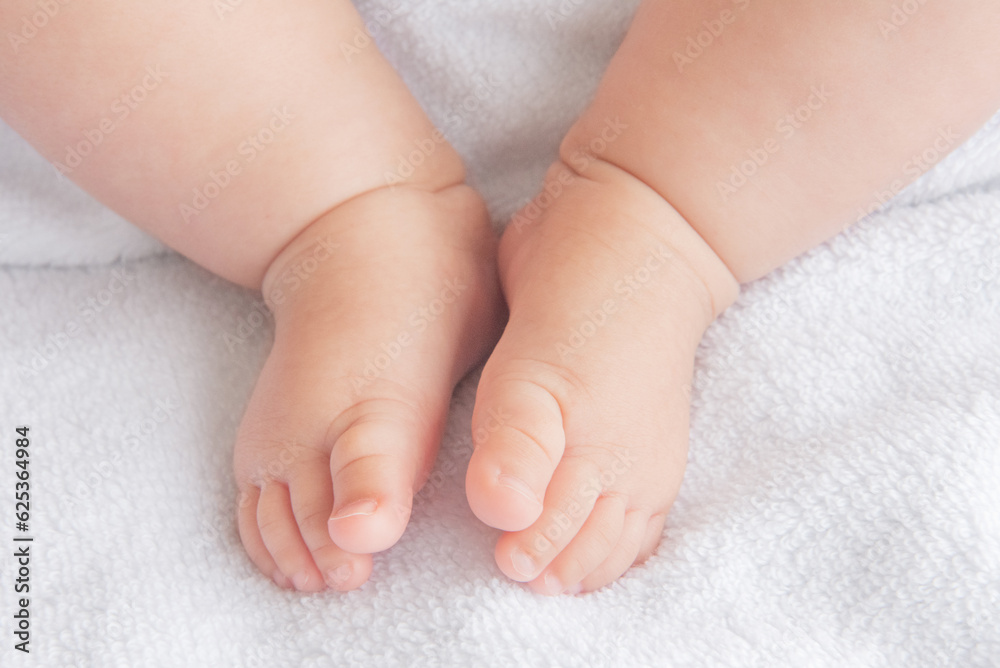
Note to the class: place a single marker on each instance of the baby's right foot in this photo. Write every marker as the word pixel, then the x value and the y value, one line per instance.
pixel 381 306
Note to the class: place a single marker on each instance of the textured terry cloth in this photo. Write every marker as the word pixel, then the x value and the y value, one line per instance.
pixel 842 502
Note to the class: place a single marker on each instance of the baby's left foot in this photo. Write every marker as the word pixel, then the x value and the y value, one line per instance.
pixel 581 420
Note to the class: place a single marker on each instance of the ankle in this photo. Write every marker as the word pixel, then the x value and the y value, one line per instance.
pixel 604 195
pixel 377 226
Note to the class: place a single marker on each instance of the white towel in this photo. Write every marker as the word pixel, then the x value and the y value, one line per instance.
pixel 841 506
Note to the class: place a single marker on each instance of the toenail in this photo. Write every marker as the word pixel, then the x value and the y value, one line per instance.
pixel 357 509
pixel 519 486
pixel 575 589
pixel 301 581
pixel 281 580
pixel 339 576
pixel 523 564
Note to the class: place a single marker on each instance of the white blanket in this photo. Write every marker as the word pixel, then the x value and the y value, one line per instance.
pixel 841 507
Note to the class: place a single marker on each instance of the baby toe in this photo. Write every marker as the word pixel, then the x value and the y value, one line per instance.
pixel 250 535
pixel 596 540
pixel 518 433
pixel 569 501
pixel 280 534
pixel 311 494
pixel 375 466
pixel 637 532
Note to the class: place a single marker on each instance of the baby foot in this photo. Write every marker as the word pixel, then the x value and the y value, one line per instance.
pixel 381 306
pixel 581 417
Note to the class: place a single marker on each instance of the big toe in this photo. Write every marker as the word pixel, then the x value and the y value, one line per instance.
pixel 517 429
pixel 377 464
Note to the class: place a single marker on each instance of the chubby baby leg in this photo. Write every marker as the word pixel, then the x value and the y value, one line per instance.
pixel 248 141
pixel 694 169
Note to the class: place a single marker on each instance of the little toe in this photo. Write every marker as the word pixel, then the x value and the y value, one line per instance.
pixel 519 439
pixel 250 535
pixel 280 534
